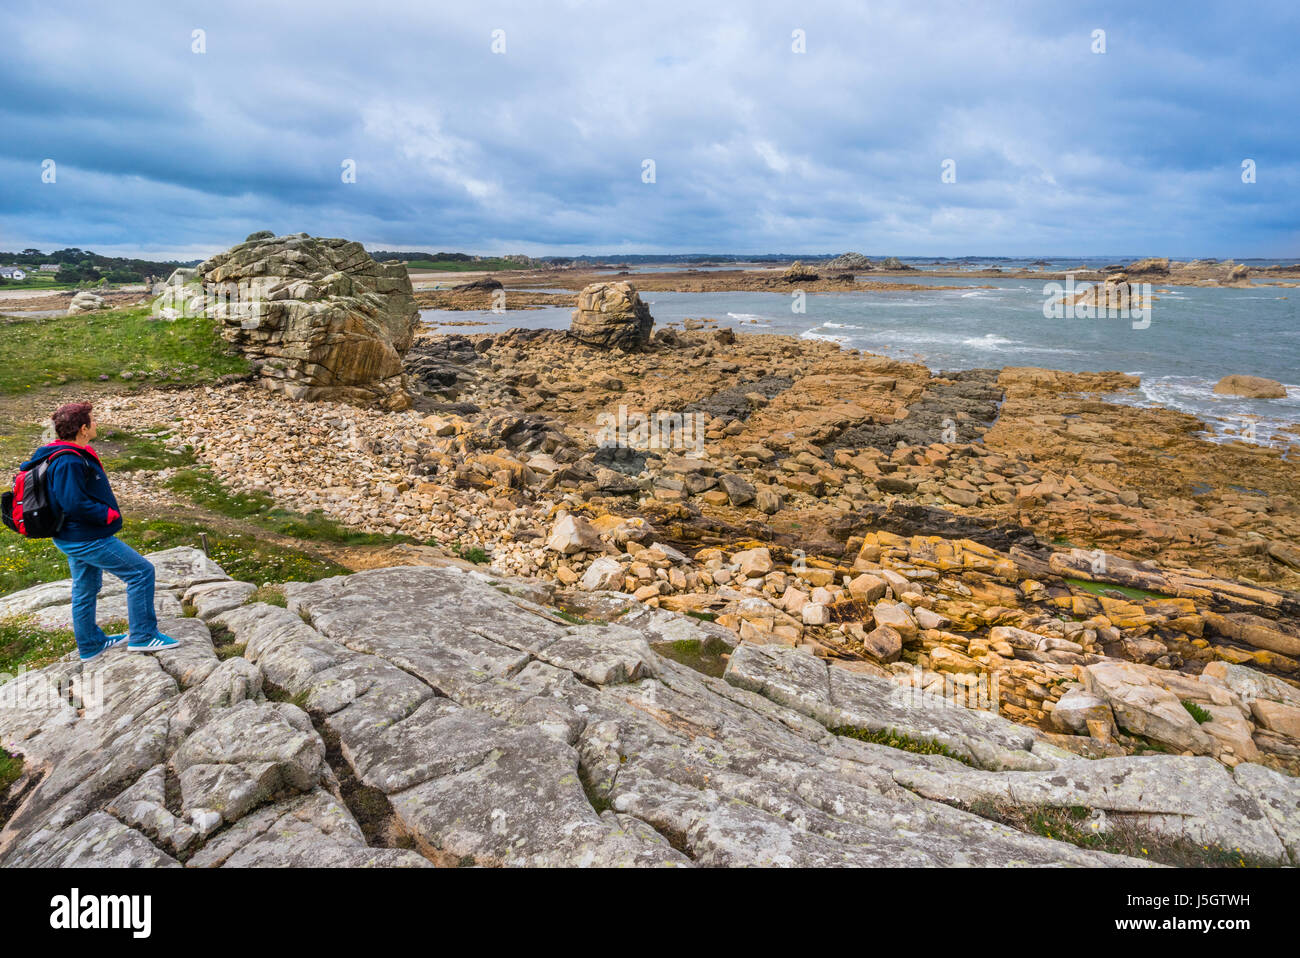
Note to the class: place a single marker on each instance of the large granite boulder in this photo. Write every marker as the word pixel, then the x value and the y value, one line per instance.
pixel 318 317
pixel 611 315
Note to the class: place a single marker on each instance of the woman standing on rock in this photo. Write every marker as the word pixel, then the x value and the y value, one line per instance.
pixel 80 491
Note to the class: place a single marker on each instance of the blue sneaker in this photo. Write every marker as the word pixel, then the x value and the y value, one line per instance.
pixel 111 642
pixel 158 643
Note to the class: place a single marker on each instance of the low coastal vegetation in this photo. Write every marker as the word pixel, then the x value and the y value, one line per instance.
pixel 1081 827
pixel 475 554
pixel 897 740
pixel 27 562
pixel 17 440
pixel 25 644
pixel 701 656
pixel 1196 712
pixel 120 344
pixel 11 767
pixel 124 451
pixel 494 264
pixel 270 594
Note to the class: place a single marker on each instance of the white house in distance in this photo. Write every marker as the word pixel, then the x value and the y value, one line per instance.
pixel 13 272
pixel 48 268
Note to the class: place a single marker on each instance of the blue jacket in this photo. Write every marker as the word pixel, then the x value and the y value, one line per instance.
pixel 79 487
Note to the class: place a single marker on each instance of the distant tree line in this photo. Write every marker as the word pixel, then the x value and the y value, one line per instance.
pixel 380 255
pixel 82 266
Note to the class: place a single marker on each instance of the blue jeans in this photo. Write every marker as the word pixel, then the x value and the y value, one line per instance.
pixel 88 562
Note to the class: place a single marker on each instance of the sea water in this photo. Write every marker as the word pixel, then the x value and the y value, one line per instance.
pixel 1196 335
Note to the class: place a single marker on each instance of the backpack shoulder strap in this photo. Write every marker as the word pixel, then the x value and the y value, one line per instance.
pixel 51 456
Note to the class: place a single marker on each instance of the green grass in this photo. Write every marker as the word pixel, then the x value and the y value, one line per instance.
pixel 60 349
pixel 462 266
pixel 275 693
pixel 1097 588
pixel 473 554
pixel 24 644
pixel 41 281
pixel 230 650
pixel 702 616
pixel 27 562
pixel 119 449
pixel 900 741
pixel 1070 824
pixel 204 488
pixel 571 618
pixel 11 767
pixel 1197 712
pixel 17 441
pixel 701 656
pixel 269 594
pixel 243 555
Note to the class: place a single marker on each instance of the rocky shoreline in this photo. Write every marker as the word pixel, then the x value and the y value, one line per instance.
pixel 1045 580
pixel 939 529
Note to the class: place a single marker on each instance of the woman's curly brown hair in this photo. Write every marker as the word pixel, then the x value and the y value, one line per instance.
pixel 69 418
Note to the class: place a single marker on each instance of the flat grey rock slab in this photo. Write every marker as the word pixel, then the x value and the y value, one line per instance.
pixel 523 804
pixel 99 840
pixel 1193 797
pixel 838 698
pixel 420 605
pixel 503 734
pixel 213 598
pixel 312 831
pixel 1279 797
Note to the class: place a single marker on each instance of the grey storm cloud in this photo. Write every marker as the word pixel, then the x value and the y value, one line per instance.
pixel 162 150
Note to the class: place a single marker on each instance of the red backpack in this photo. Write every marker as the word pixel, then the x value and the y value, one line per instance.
pixel 29 510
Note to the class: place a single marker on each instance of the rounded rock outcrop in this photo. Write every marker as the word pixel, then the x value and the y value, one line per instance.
pixel 1250 387
pixel 612 316
pixel 85 302
pixel 797 272
pixel 319 318
pixel 853 262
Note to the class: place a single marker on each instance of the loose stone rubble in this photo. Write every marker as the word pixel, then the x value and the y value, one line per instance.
pixel 1039 553
pixel 494 729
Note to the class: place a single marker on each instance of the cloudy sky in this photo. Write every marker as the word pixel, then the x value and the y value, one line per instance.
pixel 159 150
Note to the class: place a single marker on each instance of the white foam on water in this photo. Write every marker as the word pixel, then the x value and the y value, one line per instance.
pixel 988 341
pixel 1227 417
pixel 823 337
